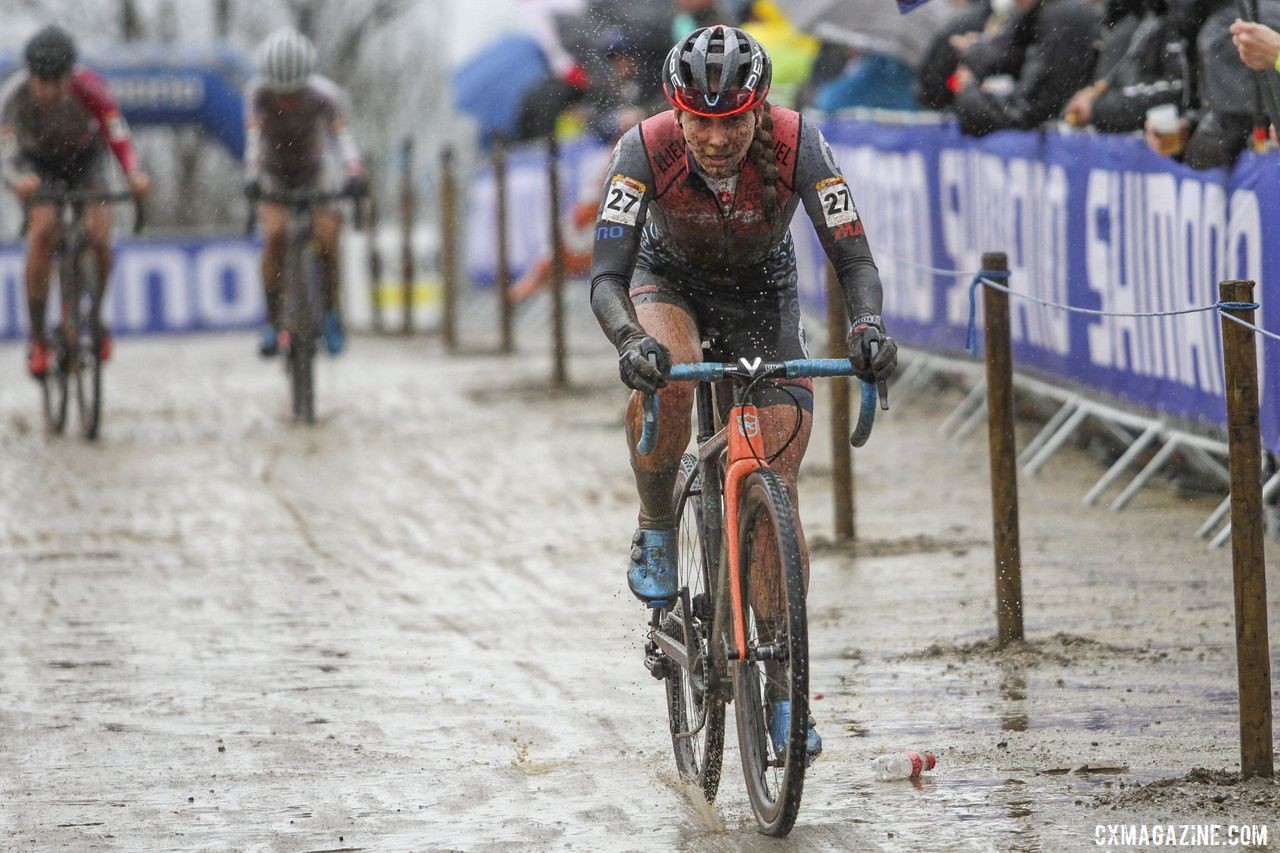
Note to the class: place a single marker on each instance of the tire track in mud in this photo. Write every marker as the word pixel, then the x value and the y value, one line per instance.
pixel 408 627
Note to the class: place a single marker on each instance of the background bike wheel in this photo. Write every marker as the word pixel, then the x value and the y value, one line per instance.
pixel 775 780
pixel 89 391
pixel 53 388
pixel 303 325
pixel 698 757
pixel 302 380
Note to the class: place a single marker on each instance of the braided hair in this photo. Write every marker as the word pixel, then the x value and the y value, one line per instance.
pixel 761 153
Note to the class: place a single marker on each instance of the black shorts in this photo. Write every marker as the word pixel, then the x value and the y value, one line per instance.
pixel 84 170
pixel 735 322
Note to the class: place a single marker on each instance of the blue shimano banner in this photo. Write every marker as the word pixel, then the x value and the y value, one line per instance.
pixel 1094 221
pixel 159 286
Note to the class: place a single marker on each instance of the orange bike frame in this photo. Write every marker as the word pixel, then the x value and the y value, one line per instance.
pixel 745 454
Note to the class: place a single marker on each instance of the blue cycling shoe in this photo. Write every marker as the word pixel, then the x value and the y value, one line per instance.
pixel 335 338
pixel 651 573
pixel 780 725
pixel 268 341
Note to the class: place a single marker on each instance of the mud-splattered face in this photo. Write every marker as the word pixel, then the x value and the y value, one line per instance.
pixel 719 143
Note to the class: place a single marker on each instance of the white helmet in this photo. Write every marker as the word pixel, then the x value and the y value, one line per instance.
pixel 286 58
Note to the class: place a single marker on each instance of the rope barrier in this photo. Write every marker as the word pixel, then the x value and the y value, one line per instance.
pixel 935 270
pixel 984 277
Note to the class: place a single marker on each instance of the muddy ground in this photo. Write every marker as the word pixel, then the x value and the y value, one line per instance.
pixel 407 628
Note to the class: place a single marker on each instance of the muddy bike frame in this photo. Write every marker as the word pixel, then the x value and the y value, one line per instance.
pixel 71 351
pixel 301 291
pixel 700 647
pixel 742 448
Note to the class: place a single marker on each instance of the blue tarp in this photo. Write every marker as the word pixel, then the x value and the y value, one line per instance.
pixel 492 84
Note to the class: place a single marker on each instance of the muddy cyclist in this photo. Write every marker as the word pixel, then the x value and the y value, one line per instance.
pixel 693 245
pixel 294 119
pixel 56 121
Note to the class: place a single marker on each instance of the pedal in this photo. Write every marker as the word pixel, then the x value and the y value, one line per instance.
pixel 656 661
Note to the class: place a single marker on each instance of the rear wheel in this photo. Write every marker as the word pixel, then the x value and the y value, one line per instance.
pixel 302 321
pixel 777 665
pixel 89 390
pixel 696 713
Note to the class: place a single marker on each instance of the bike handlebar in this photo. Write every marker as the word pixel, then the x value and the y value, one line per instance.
pixel 801 368
pixel 301 199
pixel 60 197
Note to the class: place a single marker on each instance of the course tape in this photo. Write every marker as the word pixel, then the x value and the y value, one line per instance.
pixel 985 278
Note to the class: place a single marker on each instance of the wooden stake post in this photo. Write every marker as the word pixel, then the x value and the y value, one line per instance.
pixel 841 426
pixel 1253 663
pixel 560 376
pixel 502 255
pixel 407 206
pixel 448 251
pixel 373 258
pixel 1004 453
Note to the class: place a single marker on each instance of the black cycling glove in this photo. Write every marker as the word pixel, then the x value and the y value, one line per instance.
pixel 867 329
pixel 356 186
pixel 643 363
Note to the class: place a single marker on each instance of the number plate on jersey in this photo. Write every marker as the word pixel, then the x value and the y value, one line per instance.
pixel 622 201
pixel 837 201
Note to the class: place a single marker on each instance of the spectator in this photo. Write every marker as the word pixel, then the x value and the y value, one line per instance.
pixel 1024 75
pixel 1258 44
pixel 1229 105
pixel 936 72
pixel 874 80
pixel 1143 64
pixel 792 51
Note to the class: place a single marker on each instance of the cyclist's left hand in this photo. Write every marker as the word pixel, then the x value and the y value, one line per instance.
pixel 866 367
pixel 139 184
pixel 357 186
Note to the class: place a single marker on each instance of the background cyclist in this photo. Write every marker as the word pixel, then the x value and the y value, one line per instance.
pixel 296 126
pixel 56 121
pixel 693 244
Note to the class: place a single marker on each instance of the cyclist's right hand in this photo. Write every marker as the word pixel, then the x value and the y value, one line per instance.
pixel 644 363
pixel 356 186
pixel 253 189
pixel 26 186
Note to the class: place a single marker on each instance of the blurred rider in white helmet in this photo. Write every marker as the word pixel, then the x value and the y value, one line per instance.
pixel 297 139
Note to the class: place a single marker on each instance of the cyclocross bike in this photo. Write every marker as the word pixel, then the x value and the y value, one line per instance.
pixel 76 363
pixel 303 289
pixel 733 634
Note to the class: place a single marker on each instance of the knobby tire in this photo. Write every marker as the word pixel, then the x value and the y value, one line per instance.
pixel 700 757
pixel 774 782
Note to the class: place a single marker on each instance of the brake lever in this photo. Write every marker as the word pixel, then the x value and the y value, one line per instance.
pixel 882 385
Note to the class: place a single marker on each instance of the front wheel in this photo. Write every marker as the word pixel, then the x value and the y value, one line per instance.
pixel 89 391
pixel 777 664
pixel 301 367
pixel 53 389
pixel 694 708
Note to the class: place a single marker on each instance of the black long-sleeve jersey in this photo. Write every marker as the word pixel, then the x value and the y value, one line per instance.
pixel 659 210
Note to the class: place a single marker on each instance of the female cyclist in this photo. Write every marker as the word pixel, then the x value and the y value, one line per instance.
pixel 693 244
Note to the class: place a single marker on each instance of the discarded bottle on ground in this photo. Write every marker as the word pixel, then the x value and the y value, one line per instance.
pixel 903 765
